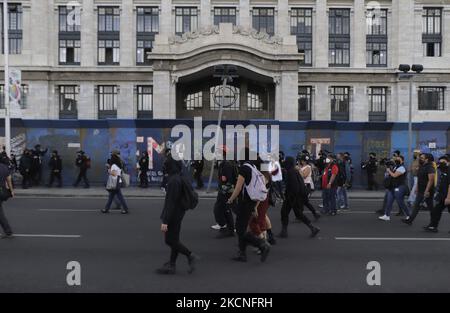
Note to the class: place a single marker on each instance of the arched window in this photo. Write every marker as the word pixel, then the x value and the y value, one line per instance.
pixel 231 100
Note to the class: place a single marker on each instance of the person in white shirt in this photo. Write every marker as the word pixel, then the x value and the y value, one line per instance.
pixel 277 176
pixel 114 189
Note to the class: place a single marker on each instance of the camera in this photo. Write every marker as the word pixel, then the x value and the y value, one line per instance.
pixel 387 162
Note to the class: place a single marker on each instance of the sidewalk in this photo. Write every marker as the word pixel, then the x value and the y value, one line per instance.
pixel 135 192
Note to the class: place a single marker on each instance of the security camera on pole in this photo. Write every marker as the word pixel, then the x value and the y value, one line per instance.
pixel 226 73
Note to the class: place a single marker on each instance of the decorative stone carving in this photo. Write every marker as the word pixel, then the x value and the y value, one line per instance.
pixel 237 30
pixel 174 79
pixel 277 79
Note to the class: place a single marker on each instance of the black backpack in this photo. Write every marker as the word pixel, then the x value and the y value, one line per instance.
pixel 188 198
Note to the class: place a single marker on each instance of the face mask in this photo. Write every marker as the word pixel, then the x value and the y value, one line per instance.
pixel 327 160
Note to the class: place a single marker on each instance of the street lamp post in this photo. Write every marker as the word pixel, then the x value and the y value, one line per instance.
pixel 6 72
pixel 407 74
pixel 226 74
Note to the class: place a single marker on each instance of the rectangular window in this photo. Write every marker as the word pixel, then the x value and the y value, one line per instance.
pixel 340 103
pixel 144 101
pixel 14 28
pixel 378 97
pixel 339 37
pixel 431 98
pixel 68 99
pixel 186 20
pixel 23 102
pixel 147 28
pixel 263 20
pixel 67 20
pixel 224 15
pixel 69 52
pixel 193 101
pixel 108 36
pixel 432 32
pixel 107 101
pixel 69 37
pixel 304 103
pixel 301 27
pixel 376 38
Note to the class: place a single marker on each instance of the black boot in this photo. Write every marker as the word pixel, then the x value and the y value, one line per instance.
pixel 314 230
pixel 167 269
pixel 283 233
pixel 192 261
pixel 271 238
pixel 265 249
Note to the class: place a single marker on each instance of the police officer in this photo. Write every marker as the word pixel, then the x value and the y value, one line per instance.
pixel 37 154
pixel 25 165
pixel 441 194
pixel 55 165
pixel 143 170
pixel 82 162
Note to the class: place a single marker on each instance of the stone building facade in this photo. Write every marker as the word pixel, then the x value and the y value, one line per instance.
pixel 294 59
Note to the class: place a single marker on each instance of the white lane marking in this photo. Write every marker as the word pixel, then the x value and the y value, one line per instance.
pixel 392 239
pixel 47 236
pixel 69 210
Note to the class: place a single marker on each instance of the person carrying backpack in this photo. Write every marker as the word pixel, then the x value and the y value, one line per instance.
pixel 177 191
pixel 251 189
pixel 295 196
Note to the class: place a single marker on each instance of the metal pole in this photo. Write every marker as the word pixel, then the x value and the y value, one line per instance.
pixel 410 132
pixel 219 120
pixel 6 88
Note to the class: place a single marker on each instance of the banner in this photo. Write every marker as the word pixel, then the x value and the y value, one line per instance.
pixel 15 91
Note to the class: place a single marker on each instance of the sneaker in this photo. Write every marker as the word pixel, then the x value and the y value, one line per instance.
pixel 124 212
pixel 166 269
pixel 384 218
pixel 430 229
pixel 192 261
pixel 218 227
pixel 314 232
pixel 105 211
pixel 407 221
pixel 321 206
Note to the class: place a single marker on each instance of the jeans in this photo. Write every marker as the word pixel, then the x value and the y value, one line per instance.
pixel 397 194
pixel 172 239
pixel 412 196
pixel 112 194
pixel 222 211
pixel 329 200
pixel 342 199
pixel 4 222
pixel 416 207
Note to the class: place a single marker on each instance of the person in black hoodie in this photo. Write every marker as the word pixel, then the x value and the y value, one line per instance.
pixel 172 217
pixel 55 165
pixel 143 170
pixel 245 208
pixel 25 164
pixel 295 196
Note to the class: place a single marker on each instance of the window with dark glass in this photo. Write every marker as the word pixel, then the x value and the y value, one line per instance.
pixel 224 15
pixel 377 103
pixel 147 28
pixel 432 32
pixel 304 102
pixel 14 28
pixel 144 101
pixel 340 103
pixel 431 98
pixel 193 101
pixel 186 20
pixel 376 38
pixel 301 27
pixel 69 36
pixel 107 101
pixel 263 20
pixel 339 37
pixel 108 36
pixel 68 99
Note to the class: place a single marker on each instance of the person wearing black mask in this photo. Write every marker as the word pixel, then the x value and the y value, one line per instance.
pixel 83 163
pixel 425 186
pixel 55 165
pixel 397 188
pixel 244 210
pixel 295 197
pixel 371 167
pixel 37 154
pixel 143 170
pixel 25 165
pixel 441 194
pixel 172 217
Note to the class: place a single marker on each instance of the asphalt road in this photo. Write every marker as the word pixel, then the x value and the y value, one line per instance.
pixel 119 253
